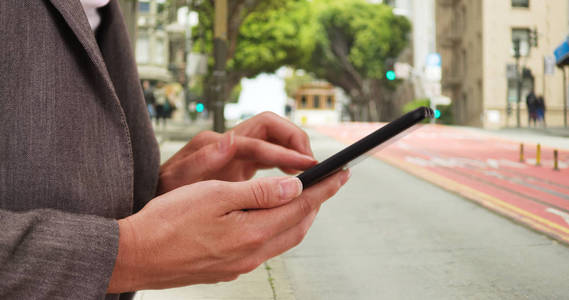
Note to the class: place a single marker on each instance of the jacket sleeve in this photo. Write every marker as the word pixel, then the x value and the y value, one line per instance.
pixel 49 254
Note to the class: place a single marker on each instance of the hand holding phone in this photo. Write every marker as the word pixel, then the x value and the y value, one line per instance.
pixel 342 158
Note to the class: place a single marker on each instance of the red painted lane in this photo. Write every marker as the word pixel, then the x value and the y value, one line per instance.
pixel 467 160
pixel 496 179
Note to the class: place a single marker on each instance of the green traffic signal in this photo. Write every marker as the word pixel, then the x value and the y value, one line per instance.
pixel 437 113
pixel 390 75
pixel 199 107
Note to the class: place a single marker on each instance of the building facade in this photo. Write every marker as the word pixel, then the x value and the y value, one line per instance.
pixel 476 41
pixel 152 43
pixel 316 104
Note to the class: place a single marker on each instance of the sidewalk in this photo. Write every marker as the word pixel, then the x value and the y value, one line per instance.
pixel 268 282
pixel 551 137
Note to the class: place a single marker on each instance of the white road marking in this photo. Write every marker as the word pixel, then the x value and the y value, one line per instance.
pixel 563 215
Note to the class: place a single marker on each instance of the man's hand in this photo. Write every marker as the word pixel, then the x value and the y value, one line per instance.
pixel 264 141
pixel 183 238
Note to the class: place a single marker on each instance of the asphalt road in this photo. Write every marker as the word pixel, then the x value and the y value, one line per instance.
pixel 389 235
pixel 483 168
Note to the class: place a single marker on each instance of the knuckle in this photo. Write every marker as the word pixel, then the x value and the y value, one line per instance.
pixel 250 264
pixel 200 136
pixel 305 206
pixel 255 146
pixel 204 136
pixel 268 114
pixel 255 239
pixel 299 236
pixel 200 156
pixel 333 188
pixel 259 193
pixel 304 136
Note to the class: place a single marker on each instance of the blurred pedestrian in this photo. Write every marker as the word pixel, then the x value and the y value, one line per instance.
pixel 161 112
pixel 540 108
pixel 149 98
pixel 169 108
pixel 531 103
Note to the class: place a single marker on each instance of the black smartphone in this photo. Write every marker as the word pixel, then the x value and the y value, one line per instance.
pixel 337 161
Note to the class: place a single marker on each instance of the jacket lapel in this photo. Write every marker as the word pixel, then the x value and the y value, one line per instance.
pixel 73 14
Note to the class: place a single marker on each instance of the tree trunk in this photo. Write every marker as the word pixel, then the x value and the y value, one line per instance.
pixel 220 57
pixel 373 111
pixel 351 111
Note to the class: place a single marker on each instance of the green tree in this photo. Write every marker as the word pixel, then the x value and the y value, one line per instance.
pixel 354 40
pixel 262 36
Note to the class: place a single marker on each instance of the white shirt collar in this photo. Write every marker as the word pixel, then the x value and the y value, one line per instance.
pixel 90 7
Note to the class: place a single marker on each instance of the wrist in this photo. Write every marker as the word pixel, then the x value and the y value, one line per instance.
pixel 125 276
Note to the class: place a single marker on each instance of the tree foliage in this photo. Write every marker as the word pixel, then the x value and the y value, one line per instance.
pixel 346 42
pixel 262 36
pixel 353 42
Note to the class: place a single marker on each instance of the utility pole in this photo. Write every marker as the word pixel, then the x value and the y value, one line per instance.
pixel 519 80
pixel 220 57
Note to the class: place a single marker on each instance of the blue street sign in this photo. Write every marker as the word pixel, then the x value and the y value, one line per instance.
pixel 433 60
pixel 562 54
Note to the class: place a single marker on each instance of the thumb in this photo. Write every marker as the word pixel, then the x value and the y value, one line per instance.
pixel 263 193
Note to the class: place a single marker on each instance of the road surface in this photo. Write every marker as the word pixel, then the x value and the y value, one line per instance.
pixel 390 235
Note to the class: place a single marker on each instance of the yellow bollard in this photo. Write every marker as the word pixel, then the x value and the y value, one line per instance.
pixel 538 155
pixel 521 152
pixel 555 160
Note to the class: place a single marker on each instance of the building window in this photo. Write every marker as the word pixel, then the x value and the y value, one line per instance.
pixel 528 82
pixel 142 49
pixel 316 101
pixel 520 3
pixel 523 35
pixel 160 55
pixel 303 101
pixel 329 102
pixel 144 7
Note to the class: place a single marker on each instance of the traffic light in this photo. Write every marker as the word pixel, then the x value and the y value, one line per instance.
pixel 437 113
pixel 199 107
pixel 390 75
pixel 390 69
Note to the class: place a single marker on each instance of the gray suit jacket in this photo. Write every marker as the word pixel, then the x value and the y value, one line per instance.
pixel 77 150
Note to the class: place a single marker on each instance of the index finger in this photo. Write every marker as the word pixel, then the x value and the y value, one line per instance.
pixel 280 130
pixel 271 155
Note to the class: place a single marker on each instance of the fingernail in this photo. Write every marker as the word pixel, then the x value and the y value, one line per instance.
pixel 226 141
pixel 290 188
pixel 308 157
